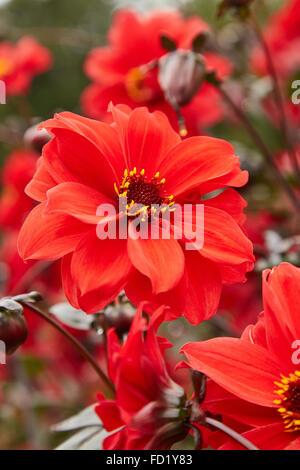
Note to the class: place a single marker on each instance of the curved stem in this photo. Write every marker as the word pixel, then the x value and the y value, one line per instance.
pixel 262 146
pixel 231 433
pixel 278 96
pixel 82 350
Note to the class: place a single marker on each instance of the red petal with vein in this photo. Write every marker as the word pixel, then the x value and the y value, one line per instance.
pixel 271 437
pixel 100 264
pixel 84 151
pixel 195 161
pixel 231 202
pixel 224 241
pixel 201 287
pixel 150 137
pixel 244 369
pixel 40 183
pixel 77 200
pixel 281 302
pixel 196 296
pixel 162 261
pixel 49 236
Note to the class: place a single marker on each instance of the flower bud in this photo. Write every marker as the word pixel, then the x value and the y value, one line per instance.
pixel 181 74
pixel 13 327
pixel 35 139
pixel 120 317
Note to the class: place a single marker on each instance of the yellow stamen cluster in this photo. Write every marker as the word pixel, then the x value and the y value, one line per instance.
pixel 288 400
pixel 141 191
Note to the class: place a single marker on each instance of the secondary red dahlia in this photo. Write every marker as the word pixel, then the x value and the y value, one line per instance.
pixel 261 370
pixel 282 35
pixel 133 166
pixel 21 62
pixel 148 410
pixel 133 41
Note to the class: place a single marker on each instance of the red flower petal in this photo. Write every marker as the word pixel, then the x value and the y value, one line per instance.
pixel 40 183
pixel 77 200
pixel 49 236
pixel 244 369
pixel 224 241
pixel 162 261
pixel 281 302
pixel 109 413
pixel 84 151
pixel 100 264
pixel 231 202
pixel 150 137
pixel 271 437
pixel 195 161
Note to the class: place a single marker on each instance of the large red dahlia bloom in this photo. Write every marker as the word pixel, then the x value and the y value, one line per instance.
pixel 90 164
pixel 261 370
pixel 134 40
pixel 21 62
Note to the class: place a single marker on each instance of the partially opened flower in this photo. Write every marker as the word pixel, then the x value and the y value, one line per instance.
pixel 148 410
pixel 118 73
pixel 98 184
pixel 21 62
pixel 261 370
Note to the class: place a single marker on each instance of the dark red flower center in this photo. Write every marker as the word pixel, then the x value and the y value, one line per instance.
pixel 289 400
pixel 142 194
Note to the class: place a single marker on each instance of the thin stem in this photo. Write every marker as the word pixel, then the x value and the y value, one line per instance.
pixel 231 433
pixel 278 96
pixel 262 146
pixel 82 350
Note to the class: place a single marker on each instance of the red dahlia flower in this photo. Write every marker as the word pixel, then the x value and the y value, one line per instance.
pixel 261 370
pixel 148 410
pixel 134 40
pixel 21 62
pixel 141 160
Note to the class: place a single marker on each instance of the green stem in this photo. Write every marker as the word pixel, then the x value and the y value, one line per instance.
pixel 82 350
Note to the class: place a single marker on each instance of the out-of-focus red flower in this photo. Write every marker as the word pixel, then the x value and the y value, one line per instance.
pixel 284 164
pixel 15 205
pixel 282 35
pixel 261 370
pixel 149 405
pixel 21 62
pixel 17 171
pixel 134 40
pixel 88 164
pixel 241 303
pixel 42 276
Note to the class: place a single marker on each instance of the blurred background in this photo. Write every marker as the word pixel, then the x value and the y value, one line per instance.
pixel 46 380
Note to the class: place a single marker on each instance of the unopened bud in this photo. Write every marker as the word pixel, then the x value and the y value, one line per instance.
pixel 13 327
pixel 35 139
pixel 120 318
pixel 181 74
